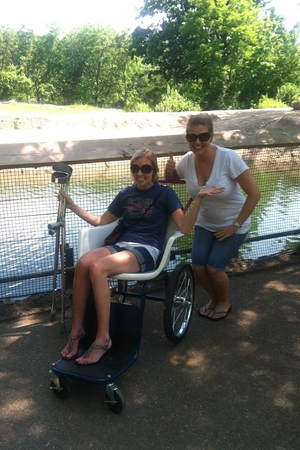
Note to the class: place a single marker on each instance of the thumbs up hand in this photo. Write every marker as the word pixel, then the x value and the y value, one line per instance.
pixel 170 171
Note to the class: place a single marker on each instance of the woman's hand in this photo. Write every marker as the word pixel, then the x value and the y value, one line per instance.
pixel 70 204
pixel 226 232
pixel 170 169
pixel 210 190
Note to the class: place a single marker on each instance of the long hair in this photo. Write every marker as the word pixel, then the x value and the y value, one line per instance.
pixel 146 153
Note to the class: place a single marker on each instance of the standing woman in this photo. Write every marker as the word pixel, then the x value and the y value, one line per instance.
pixel 224 220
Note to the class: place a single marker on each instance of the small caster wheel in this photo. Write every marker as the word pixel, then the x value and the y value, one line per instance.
pixel 114 399
pixel 60 387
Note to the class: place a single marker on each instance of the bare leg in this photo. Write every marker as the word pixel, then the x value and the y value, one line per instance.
pixel 81 290
pixel 100 270
pixel 216 283
pixel 220 281
pixel 202 277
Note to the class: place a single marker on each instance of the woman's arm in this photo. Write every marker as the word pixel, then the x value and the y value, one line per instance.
pixel 250 187
pixel 90 218
pixel 184 222
pixel 170 170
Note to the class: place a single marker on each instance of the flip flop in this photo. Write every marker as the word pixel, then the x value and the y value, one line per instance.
pixel 215 313
pixel 205 310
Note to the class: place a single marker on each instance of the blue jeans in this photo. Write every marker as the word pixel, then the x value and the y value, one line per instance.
pixel 208 251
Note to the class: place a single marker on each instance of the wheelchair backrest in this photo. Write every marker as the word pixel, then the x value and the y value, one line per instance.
pixel 171 228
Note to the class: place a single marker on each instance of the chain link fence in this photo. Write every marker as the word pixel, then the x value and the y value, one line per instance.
pixel 28 203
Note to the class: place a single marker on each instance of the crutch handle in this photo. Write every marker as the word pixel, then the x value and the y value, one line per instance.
pixel 53 227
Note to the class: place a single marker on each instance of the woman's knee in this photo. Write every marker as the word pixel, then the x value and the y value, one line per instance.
pixel 199 272
pixel 82 265
pixel 215 273
pixel 96 269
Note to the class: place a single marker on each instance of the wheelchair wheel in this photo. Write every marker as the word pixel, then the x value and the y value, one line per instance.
pixel 179 302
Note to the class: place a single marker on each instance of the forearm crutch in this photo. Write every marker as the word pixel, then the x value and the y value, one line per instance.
pixel 60 176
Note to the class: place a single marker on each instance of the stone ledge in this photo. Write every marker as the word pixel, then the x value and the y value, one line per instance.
pixel 115 135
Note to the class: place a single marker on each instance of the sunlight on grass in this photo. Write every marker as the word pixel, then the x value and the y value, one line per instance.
pixel 46 109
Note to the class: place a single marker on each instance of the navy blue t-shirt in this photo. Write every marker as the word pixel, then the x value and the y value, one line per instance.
pixel 131 203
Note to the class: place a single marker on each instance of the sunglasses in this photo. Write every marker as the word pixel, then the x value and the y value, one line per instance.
pixel 145 168
pixel 203 137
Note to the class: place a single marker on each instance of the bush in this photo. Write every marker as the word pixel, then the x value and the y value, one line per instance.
pixel 288 93
pixel 265 102
pixel 172 101
pixel 138 107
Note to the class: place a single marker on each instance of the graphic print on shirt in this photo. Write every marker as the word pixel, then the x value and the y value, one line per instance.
pixel 136 207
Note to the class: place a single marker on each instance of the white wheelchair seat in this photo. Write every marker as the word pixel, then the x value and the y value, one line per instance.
pixel 93 238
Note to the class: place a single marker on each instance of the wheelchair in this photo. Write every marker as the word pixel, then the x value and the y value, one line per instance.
pixel 126 320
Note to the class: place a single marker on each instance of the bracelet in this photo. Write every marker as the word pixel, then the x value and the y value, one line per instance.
pixel 236 224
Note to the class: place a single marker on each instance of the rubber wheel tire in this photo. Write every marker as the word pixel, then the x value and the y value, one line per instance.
pixel 116 407
pixel 179 302
pixel 64 393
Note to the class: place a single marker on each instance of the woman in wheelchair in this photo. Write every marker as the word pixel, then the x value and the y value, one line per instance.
pixel 145 207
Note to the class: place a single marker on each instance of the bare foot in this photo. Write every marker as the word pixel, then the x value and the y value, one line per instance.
pixel 71 349
pixel 94 353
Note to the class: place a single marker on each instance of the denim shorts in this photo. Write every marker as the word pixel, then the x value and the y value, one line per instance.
pixel 144 258
pixel 208 251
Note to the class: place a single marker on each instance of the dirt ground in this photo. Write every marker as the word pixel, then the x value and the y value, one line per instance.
pixel 230 385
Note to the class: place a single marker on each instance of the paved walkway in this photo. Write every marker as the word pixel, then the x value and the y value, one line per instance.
pixel 230 385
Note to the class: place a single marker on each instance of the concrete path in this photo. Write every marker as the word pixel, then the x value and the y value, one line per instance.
pixel 230 385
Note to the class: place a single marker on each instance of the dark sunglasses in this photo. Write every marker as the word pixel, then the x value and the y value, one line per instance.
pixel 203 137
pixel 145 168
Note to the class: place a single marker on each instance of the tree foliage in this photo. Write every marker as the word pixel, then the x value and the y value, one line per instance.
pixel 213 54
pixel 226 51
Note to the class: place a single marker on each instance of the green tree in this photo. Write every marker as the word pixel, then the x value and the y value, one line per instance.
pixel 143 85
pixel 15 85
pixel 8 47
pixel 225 52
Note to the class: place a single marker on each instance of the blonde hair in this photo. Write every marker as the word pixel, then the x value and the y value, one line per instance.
pixel 146 153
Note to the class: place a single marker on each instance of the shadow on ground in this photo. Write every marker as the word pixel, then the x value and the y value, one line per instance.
pixel 232 384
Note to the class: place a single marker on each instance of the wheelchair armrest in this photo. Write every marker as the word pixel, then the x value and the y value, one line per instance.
pixel 92 238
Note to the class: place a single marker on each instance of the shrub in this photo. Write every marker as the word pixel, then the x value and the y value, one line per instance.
pixel 138 107
pixel 265 102
pixel 172 101
pixel 288 93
